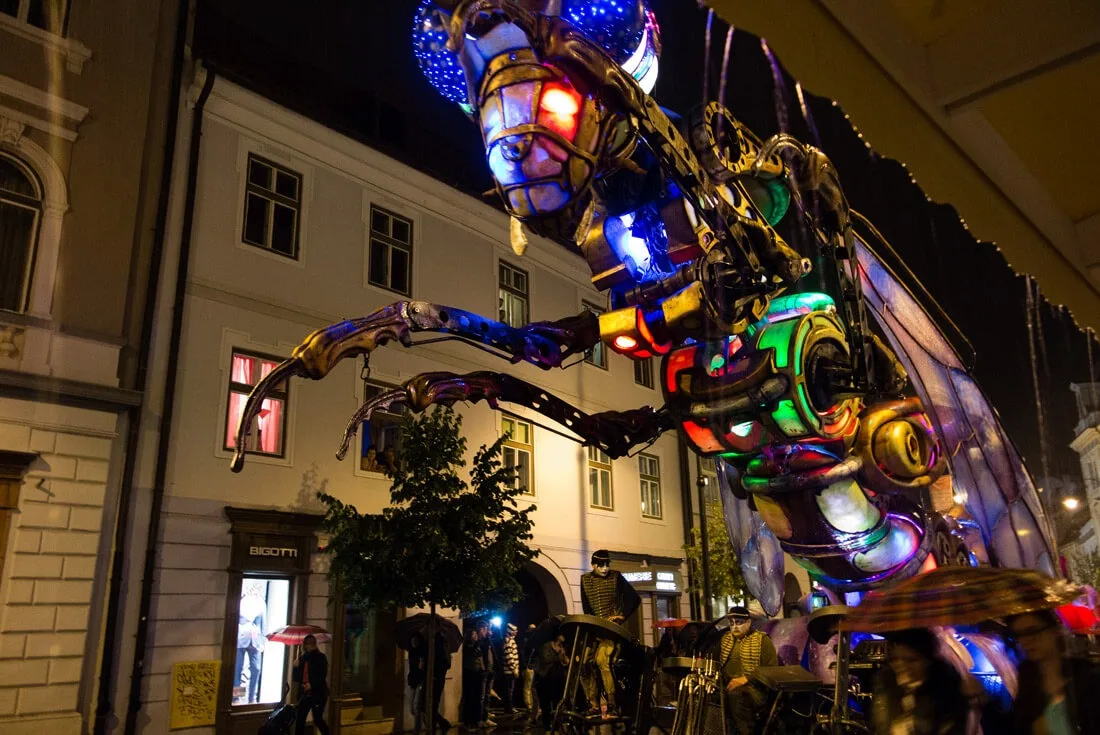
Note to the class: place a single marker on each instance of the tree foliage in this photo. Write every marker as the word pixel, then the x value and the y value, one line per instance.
pixel 441 541
pixel 1086 568
pixel 724 566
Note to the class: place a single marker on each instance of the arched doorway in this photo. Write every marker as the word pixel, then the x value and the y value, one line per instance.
pixel 541 597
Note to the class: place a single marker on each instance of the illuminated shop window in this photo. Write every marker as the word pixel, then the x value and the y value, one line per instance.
pixel 267 436
pixel 599 479
pixel 20 214
pixel 643 372
pixel 272 207
pixel 381 435
pixel 649 472
pixel 49 15
pixel 260 668
pixel 514 298
pixel 519 451
pixel 360 649
pixel 390 263
pixel 597 355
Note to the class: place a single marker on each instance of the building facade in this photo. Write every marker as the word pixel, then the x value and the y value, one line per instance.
pixel 295 226
pixel 1086 443
pixel 83 121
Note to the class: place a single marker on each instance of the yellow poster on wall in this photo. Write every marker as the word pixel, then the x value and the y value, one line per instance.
pixel 194 696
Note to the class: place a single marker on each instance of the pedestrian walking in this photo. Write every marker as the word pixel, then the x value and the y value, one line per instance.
pixel 473 680
pixel 529 662
pixel 510 668
pixel 918 693
pixel 311 673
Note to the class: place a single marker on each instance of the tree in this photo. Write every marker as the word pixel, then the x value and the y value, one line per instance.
pixel 1086 568
pixel 441 542
pixel 723 564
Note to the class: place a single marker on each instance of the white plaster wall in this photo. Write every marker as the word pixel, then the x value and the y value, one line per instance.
pixel 241 297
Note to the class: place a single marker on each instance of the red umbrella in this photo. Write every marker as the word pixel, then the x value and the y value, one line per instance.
pixel 1078 618
pixel 671 623
pixel 294 635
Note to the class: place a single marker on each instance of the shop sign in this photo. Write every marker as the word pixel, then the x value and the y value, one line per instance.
pixel 272 551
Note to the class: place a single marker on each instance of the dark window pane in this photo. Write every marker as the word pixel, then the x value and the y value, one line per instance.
pixel 283 230
pixel 379 222
pixel 46 14
pixel 399 270
pixel 379 264
pixel 259 173
pixel 287 185
pixel 519 281
pixel 17 235
pixel 255 219
pixel 9 7
pixel 400 230
pixel 13 179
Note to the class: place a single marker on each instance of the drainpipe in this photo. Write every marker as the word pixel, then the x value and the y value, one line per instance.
pixel 133 428
pixel 685 504
pixel 164 442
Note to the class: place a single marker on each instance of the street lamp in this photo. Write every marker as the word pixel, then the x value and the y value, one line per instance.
pixel 1071 503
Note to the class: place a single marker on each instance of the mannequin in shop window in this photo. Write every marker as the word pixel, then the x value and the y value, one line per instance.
pixel 606 594
pixel 251 632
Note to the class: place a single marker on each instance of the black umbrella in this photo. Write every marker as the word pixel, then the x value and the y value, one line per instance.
pixel 545 631
pixel 417 624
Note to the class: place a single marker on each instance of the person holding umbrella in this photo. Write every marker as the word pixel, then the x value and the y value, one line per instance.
pixel 311 673
pixel 1057 694
pixel 918 693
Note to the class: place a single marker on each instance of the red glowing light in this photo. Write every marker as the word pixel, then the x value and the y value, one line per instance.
pixel 625 342
pixel 560 101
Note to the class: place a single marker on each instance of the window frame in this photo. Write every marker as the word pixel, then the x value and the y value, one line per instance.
pixel 519 446
pixel 599 348
pixel 363 394
pixel 508 288
pixel 283 395
pixel 273 197
pixel 600 466
pixel 390 243
pixel 22 14
pixel 643 369
pixel 35 204
pixel 654 484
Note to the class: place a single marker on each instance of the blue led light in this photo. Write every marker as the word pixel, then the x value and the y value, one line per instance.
pixel 438 63
pixel 616 25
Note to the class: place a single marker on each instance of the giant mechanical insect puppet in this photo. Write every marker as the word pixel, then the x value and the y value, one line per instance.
pixel 827 428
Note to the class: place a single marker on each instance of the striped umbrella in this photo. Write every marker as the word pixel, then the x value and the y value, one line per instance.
pixel 958 596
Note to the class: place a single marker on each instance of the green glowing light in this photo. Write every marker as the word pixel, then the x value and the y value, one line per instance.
pixel 810 301
pixel 780 201
pixel 743 429
pixel 787 419
pixel 778 337
pixel 716 363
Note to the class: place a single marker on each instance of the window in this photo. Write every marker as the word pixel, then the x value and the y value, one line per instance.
pixel 259 672
pixel 268 432
pixel 597 355
pixel 20 212
pixel 649 472
pixel 272 207
pixel 519 451
pixel 513 306
pixel 381 435
pixel 643 372
pixel 49 15
pixel 390 262
pixel 599 479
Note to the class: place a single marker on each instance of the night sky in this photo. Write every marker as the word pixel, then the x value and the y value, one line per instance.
pixel 349 65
